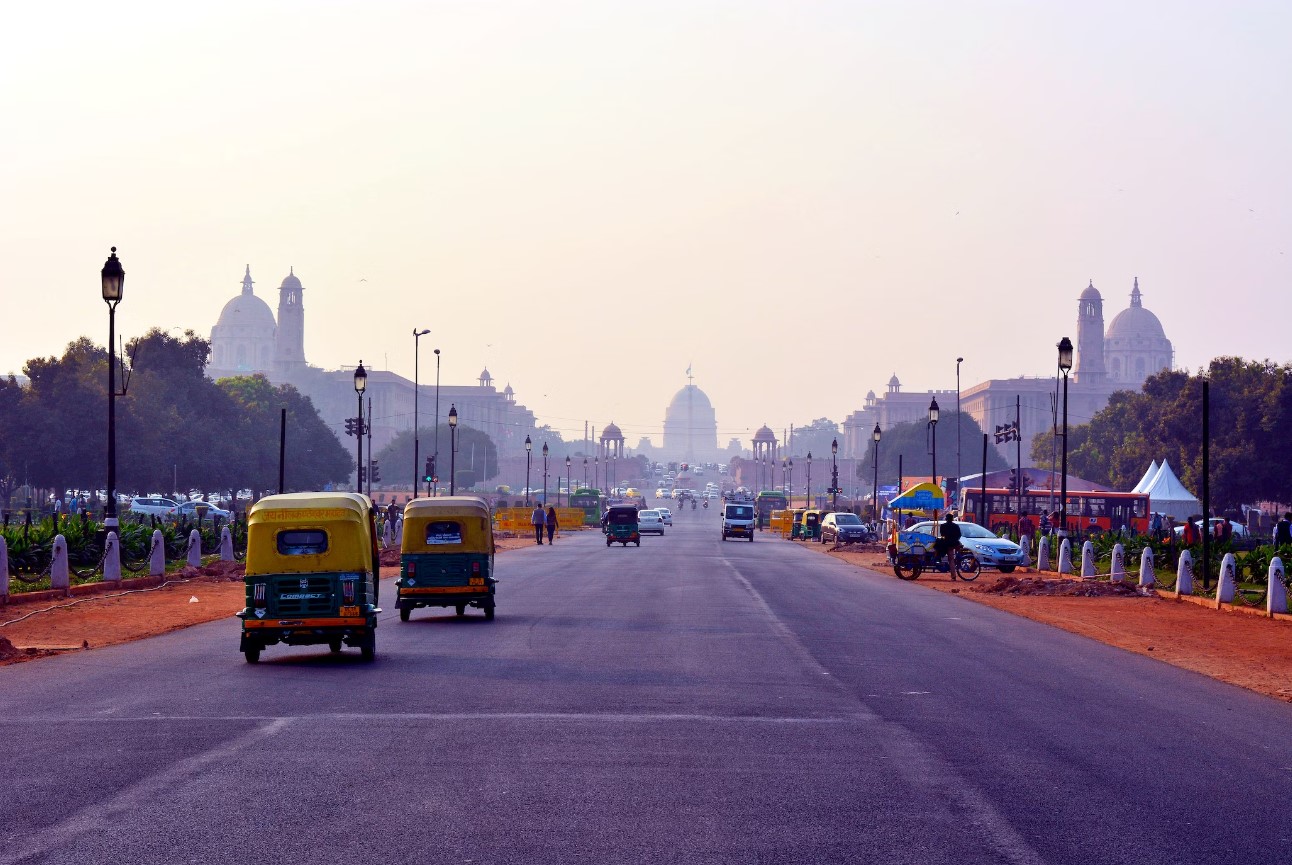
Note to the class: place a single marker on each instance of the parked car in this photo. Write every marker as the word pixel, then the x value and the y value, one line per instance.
pixel 649 520
pixel 155 506
pixel 989 550
pixel 666 515
pixel 1240 530
pixel 189 510
pixel 843 528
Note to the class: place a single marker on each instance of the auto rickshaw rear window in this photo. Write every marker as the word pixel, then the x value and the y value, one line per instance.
pixel 302 542
pixel 443 532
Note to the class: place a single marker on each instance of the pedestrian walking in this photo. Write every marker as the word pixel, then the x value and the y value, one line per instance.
pixel 1283 531
pixel 551 524
pixel 1045 523
pixel 538 519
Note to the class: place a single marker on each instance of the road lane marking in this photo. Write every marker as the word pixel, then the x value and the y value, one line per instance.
pixel 134 798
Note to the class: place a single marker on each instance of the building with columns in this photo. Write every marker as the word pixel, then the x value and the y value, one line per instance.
pixel 247 340
pixel 1121 357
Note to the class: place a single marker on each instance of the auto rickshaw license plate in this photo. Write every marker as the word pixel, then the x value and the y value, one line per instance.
pixel 477 581
pixel 349 611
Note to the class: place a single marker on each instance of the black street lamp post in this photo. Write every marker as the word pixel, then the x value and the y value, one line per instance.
pixel 809 479
pixel 959 470
pixel 114 279
pixel 529 447
pixel 360 385
pixel 834 475
pixel 544 472
pixel 567 482
pixel 933 425
pixel 453 449
pixel 876 435
pixel 585 472
pixel 789 484
pixel 1065 364
pixel 417 355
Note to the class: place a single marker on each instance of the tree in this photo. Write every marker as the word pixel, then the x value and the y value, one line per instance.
pixel 912 443
pixel 476 452
pixel 1251 421
pixel 11 470
pixel 314 456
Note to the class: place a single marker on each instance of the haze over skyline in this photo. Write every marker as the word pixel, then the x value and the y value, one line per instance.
pixel 798 199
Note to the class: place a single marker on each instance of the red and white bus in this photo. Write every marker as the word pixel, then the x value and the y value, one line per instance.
pixel 1087 512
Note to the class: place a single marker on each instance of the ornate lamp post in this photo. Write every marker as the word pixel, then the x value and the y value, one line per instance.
pixel 417 361
pixel 834 474
pixel 529 447
pixel 809 479
pixel 585 472
pixel 113 277
pixel 789 484
pixel 876 435
pixel 567 481
pixel 453 449
pixel 360 385
pixel 544 472
pixel 1065 364
pixel 933 425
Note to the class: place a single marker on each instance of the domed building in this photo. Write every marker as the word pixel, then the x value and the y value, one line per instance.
pixel 1135 346
pixel 247 340
pixel 242 341
pixel 691 427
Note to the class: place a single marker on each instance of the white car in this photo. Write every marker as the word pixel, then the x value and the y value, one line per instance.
pixel 189 511
pixel 649 520
pixel 666 515
pixel 661 493
pixel 155 506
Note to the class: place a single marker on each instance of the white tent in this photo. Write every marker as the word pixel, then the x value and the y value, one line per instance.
pixel 1167 495
pixel 1147 480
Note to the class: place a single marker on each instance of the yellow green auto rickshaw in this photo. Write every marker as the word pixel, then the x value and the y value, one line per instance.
pixel 447 556
pixel 811 527
pixel 312 573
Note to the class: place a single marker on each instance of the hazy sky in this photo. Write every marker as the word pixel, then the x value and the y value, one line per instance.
pixel 798 198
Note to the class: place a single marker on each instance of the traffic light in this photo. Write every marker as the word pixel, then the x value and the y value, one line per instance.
pixel 430 470
pixel 362 475
pixel 349 426
pixel 376 472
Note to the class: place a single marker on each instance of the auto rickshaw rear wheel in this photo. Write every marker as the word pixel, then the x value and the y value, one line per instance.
pixel 334 644
pixel 369 648
pixel 405 612
pixel 461 610
pixel 252 655
pixel 489 613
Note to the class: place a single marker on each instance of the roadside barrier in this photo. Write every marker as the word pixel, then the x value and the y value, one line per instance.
pixel 781 522
pixel 516 520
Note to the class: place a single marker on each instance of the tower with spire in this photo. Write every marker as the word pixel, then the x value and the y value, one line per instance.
pixel 1090 367
pixel 289 341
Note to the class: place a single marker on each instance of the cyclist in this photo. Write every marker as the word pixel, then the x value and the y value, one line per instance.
pixel 948 542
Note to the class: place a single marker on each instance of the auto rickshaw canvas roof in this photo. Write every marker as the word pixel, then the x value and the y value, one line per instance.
pixel 446 506
pixel 344 516
pixel 354 503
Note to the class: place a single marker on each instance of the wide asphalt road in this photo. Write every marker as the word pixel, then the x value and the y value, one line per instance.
pixel 688 701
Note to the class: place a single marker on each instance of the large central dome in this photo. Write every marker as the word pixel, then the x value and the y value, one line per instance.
pixel 691 426
pixel 692 396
